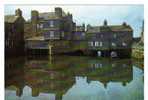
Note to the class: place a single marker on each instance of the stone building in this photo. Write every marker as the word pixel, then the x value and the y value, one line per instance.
pixel 54 29
pixel 110 39
pixel 79 33
pixel 58 33
pixel 52 25
pixel 14 33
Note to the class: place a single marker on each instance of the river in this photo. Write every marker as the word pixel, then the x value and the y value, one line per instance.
pixel 73 78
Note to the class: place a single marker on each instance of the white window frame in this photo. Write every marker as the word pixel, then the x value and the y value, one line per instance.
pixel 115 35
pixel 90 43
pixel 51 23
pixel 124 44
pixel 83 34
pixel 114 44
pixel 100 44
pixel 96 43
pixel 51 34
pixel 63 34
pixel 41 26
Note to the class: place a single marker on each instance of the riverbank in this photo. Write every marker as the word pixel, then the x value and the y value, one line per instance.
pixel 138 51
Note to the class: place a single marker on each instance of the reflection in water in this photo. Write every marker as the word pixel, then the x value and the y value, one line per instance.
pixel 72 78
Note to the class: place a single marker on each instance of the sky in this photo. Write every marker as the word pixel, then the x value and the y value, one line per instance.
pixel 92 14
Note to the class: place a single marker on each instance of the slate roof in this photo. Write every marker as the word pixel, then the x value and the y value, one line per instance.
pixel 46 16
pixel 49 15
pixel 113 28
pixel 79 28
pixel 120 28
pixel 11 18
pixel 93 29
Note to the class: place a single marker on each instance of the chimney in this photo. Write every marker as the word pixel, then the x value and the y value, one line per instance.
pixel 88 26
pixel 34 15
pixel 83 25
pixel 18 12
pixel 124 24
pixel 58 12
pixel 105 22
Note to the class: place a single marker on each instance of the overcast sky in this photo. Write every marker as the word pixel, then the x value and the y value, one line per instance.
pixel 92 14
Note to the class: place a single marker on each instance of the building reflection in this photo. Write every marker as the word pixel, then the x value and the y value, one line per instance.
pixel 59 74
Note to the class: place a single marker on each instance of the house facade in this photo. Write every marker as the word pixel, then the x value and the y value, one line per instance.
pixel 14 33
pixel 110 38
pixel 58 32
pixel 55 25
pixel 79 33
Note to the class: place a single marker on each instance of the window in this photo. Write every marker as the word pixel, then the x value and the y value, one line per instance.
pixel 101 44
pixel 62 34
pixel 51 23
pixel 90 43
pixel 99 53
pixel 38 26
pixel 51 34
pixel 115 35
pixel 124 44
pixel 113 44
pixel 83 34
pixel 96 43
pixel 101 35
pixel 41 26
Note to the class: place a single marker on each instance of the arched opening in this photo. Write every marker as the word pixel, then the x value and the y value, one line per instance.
pixel 99 53
pixel 113 54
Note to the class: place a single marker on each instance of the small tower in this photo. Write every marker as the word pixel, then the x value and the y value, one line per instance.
pixel 58 12
pixel 105 22
pixel 34 15
pixel 124 24
pixel 88 27
pixel 142 28
pixel 18 12
pixel 142 33
pixel 34 20
pixel 83 25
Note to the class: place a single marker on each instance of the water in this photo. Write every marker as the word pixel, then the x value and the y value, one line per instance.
pixel 73 78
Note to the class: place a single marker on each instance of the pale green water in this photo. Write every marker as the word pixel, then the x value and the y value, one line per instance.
pixel 73 78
